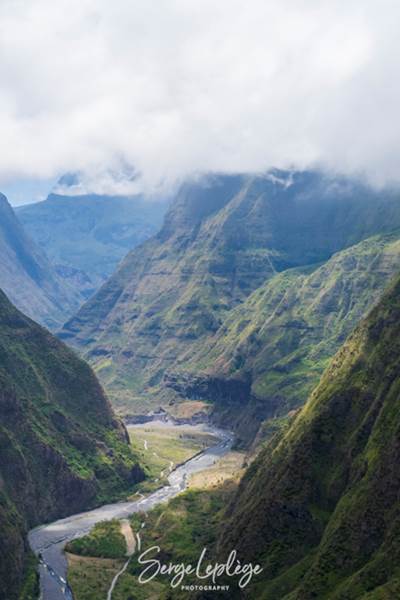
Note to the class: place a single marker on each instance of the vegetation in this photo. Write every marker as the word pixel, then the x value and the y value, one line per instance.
pixel 61 447
pixel 228 468
pixel 30 587
pixel 319 506
pixel 173 303
pixel 90 578
pixel 165 447
pixel 280 340
pixel 182 528
pixel 105 540
pixel 248 318
pixel 182 525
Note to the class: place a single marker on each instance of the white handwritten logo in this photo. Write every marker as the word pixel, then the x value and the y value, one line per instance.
pixel 177 571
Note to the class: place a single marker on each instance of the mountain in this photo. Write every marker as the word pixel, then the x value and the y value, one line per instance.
pixel 271 350
pixel 27 276
pixel 223 237
pixel 86 236
pixel 61 447
pixel 319 508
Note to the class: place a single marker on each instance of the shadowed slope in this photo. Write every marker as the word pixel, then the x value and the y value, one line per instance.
pixel 320 507
pixel 28 278
pixel 61 447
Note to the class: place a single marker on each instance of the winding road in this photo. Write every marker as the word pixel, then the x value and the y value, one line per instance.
pixel 48 541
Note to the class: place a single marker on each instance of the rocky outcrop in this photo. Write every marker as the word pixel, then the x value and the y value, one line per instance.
pixel 233 405
pixel 273 348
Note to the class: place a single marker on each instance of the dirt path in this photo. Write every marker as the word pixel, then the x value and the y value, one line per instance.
pixel 130 539
pixel 115 580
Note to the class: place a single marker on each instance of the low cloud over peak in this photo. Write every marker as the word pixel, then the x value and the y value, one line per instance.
pixel 176 87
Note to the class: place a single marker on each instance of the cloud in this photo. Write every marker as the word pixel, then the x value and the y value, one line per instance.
pixel 175 87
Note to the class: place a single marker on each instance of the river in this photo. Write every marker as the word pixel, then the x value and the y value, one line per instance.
pixel 49 540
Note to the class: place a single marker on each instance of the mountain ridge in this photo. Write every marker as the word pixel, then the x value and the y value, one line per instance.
pixel 272 349
pixel 62 447
pixel 223 237
pixel 86 236
pixel 28 277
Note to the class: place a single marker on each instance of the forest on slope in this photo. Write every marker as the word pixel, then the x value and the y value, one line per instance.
pixel 62 449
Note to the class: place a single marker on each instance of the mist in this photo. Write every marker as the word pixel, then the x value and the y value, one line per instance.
pixel 178 87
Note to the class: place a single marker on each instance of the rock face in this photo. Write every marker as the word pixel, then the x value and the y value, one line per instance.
pixel 61 447
pixel 319 508
pixel 273 348
pixel 222 239
pixel 28 278
pixel 86 236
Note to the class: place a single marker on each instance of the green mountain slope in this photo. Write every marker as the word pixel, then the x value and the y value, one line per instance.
pixel 320 507
pixel 85 237
pixel 222 239
pixel 278 342
pixel 61 447
pixel 28 278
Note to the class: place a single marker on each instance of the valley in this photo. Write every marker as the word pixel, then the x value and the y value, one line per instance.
pixel 162 446
pixel 230 318
pixel 49 541
pixel 318 506
pixel 242 298
pixel 199 300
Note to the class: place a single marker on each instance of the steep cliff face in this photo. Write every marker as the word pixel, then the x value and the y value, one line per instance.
pixel 222 239
pixel 61 447
pixel 28 278
pixel 278 342
pixel 320 507
pixel 86 236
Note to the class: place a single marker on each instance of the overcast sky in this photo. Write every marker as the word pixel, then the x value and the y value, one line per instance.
pixel 181 86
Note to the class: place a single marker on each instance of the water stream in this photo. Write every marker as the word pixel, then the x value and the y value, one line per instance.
pixel 48 541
